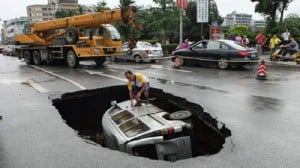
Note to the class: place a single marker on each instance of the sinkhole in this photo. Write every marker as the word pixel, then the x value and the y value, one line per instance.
pixel 83 111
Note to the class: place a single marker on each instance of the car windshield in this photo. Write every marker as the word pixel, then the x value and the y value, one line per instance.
pixel 235 45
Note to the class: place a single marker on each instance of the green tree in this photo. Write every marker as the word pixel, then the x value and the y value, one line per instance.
pixel 270 8
pixel 242 30
pixel 125 29
pixel 101 6
pixel 193 28
pixel 292 22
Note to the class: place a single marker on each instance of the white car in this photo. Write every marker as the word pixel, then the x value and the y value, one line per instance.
pixel 147 131
pixel 144 51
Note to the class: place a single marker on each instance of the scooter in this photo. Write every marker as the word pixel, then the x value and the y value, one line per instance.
pixel 277 55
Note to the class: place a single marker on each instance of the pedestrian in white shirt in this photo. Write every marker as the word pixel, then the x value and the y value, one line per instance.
pixel 286 37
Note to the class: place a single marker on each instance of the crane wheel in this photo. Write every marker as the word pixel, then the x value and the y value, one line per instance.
pixel 71 35
pixel 72 59
pixel 27 57
pixel 37 59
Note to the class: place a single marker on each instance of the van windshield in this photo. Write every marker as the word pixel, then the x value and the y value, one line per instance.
pixel 115 35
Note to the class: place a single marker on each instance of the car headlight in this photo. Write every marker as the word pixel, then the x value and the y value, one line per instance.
pixel 97 51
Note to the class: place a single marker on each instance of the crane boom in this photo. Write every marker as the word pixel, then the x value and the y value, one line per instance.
pixel 126 14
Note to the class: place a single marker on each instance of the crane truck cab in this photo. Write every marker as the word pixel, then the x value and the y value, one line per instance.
pixel 72 39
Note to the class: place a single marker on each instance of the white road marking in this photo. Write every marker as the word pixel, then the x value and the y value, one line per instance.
pixel 59 76
pixel 170 69
pixel 154 73
pixel 106 75
pixel 10 81
pixel 36 86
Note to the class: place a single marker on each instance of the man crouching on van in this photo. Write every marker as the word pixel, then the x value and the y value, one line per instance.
pixel 137 84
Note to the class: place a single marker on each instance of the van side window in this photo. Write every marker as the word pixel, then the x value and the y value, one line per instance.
pixel 133 127
pixel 122 117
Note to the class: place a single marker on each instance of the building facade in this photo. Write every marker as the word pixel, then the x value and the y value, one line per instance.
pixel 39 12
pixel 234 19
pixel 12 27
pixel 44 12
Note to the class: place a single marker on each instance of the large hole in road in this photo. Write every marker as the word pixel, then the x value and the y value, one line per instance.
pixel 83 111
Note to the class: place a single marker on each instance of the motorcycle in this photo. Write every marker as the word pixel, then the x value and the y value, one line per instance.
pixel 278 55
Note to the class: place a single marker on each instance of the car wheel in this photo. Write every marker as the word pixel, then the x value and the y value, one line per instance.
pixel 153 61
pixel 37 59
pixel 27 57
pixel 223 63
pixel 100 61
pixel 276 59
pixel 72 59
pixel 180 115
pixel 137 58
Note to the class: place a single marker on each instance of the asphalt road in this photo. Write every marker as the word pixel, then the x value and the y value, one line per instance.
pixel 263 116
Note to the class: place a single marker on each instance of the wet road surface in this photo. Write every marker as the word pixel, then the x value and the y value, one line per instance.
pixel 263 115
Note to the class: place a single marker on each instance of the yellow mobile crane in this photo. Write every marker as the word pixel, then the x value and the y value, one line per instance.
pixel 89 36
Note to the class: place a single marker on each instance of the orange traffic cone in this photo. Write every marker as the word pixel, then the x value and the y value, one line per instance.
pixel 262 71
pixel 177 62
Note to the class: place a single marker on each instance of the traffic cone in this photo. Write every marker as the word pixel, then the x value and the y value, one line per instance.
pixel 262 71
pixel 177 62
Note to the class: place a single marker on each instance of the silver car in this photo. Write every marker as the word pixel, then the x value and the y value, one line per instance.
pixel 146 131
pixel 144 51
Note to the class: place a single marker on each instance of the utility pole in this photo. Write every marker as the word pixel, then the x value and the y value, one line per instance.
pixel 181 27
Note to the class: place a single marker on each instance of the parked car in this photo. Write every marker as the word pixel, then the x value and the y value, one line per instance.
pixel 9 50
pixel 144 51
pixel 1 48
pixel 148 131
pixel 223 53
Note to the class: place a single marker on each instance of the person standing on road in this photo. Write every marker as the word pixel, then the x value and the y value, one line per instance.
pixel 137 84
pixel 238 38
pixel 274 43
pixel 245 41
pixel 260 41
pixel 286 37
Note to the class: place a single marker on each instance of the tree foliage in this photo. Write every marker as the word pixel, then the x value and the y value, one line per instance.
pixel 100 6
pixel 270 8
pixel 194 28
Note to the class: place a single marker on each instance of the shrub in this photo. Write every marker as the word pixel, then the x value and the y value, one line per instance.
pixel 169 48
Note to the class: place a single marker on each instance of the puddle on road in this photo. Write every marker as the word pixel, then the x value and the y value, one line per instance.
pixel 260 103
pixel 83 111
pixel 164 81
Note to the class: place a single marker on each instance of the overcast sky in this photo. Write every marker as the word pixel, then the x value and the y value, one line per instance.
pixel 15 8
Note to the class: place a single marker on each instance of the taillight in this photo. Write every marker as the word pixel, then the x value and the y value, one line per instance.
pixel 148 51
pixel 167 131
pixel 243 53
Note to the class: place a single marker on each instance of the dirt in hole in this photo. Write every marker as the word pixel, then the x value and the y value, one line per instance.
pixel 83 111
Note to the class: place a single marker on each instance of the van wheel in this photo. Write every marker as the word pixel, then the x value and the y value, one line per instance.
pixel 72 59
pixel 180 115
pixel 27 57
pixel 37 59
pixel 137 58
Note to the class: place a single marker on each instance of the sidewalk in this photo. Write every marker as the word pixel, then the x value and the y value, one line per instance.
pixel 266 58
